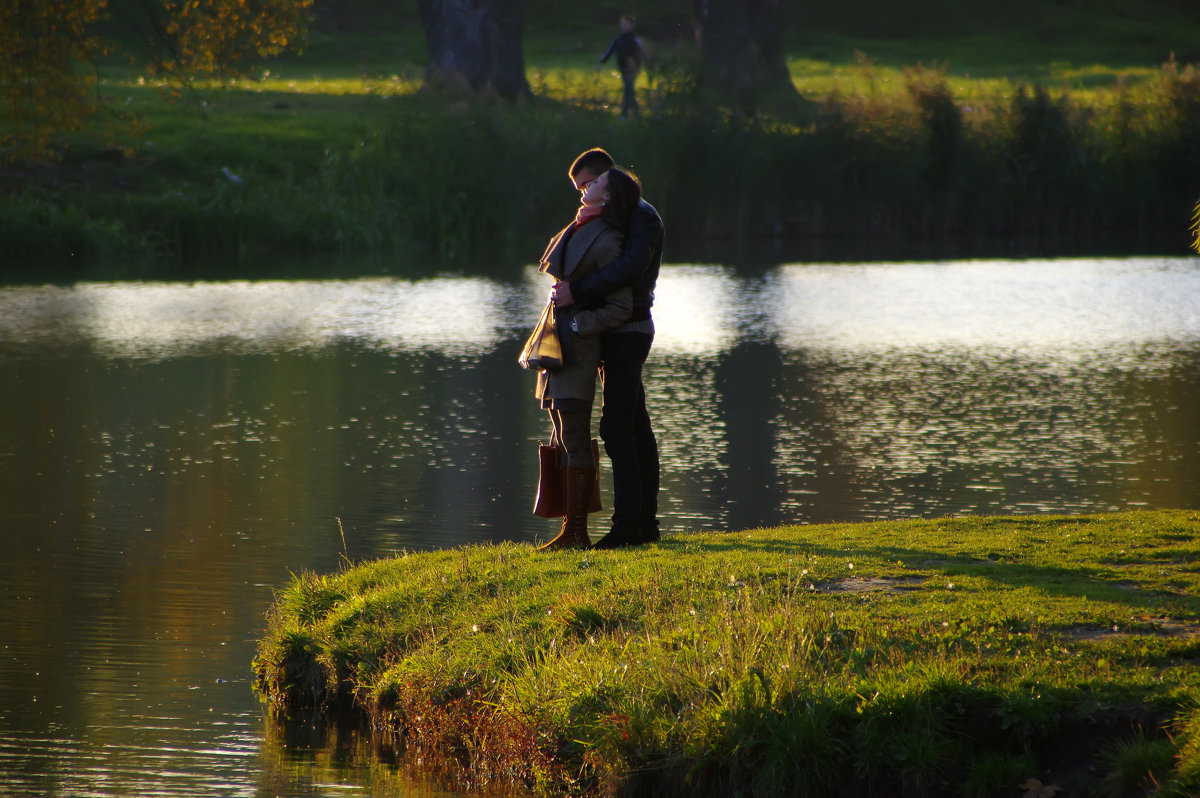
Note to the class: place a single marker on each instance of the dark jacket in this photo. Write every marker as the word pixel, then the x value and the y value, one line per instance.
pixel 637 267
pixel 629 51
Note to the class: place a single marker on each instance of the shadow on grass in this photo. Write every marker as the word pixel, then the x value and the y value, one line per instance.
pixel 1001 565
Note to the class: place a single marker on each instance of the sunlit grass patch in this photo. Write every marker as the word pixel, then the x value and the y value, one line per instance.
pixel 797 658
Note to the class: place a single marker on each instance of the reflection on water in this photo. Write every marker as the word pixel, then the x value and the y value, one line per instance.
pixel 1050 308
pixel 171 453
pixel 150 321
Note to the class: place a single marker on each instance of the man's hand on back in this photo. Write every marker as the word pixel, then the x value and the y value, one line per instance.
pixel 561 294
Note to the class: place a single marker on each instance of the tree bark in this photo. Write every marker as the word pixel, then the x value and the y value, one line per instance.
pixel 741 52
pixel 476 44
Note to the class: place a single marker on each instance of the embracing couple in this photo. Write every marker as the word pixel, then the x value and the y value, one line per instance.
pixel 604 266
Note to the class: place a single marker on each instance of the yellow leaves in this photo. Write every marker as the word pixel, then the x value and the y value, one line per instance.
pixel 42 91
pixel 220 37
pixel 1195 228
pixel 44 45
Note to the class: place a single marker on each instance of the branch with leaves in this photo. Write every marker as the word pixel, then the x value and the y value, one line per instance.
pixel 44 93
pixel 1195 228
pixel 223 38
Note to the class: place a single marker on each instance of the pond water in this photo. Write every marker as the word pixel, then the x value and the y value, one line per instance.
pixel 171 452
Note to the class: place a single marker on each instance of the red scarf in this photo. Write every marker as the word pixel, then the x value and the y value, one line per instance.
pixel 586 213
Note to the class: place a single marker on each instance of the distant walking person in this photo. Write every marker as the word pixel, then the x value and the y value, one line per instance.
pixel 630 53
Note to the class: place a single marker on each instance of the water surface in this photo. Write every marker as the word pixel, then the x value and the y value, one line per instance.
pixel 171 452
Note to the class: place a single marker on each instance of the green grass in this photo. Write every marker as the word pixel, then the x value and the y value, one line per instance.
pixel 941 657
pixel 341 153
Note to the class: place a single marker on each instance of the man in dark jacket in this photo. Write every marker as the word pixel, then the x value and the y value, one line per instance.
pixel 629 52
pixel 624 421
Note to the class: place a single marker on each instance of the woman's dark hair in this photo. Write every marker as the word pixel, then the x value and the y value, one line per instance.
pixel 624 192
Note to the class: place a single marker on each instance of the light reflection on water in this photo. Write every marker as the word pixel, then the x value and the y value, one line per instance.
pixel 1052 308
pixel 163 320
pixel 170 453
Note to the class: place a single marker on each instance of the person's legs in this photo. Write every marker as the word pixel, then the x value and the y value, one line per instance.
pixel 629 440
pixel 555 429
pixel 648 468
pixel 574 429
pixel 573 432
pixel 629 104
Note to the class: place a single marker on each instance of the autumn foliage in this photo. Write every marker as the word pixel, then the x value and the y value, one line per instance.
pixel 48 49
pixel 44 86
pixel 223 38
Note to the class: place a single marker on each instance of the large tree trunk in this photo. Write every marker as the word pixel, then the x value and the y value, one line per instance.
pixel 477 44
pixel 741 52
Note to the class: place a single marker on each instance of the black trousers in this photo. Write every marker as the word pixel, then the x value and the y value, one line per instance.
pixel 629 103
pixel 625 429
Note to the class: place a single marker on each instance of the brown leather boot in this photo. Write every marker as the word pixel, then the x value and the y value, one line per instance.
pixel 573 534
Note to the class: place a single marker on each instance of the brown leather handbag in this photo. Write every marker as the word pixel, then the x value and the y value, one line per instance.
pixel 551 491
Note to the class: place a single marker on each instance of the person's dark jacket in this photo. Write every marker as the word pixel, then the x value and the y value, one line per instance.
pixel 637 266
pixel 628 50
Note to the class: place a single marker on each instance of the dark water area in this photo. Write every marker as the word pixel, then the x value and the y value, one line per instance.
pixel 172 451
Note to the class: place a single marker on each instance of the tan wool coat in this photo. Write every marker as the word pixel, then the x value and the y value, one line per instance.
pixel 570 255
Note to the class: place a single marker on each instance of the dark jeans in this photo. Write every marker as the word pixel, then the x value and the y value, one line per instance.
pixel 625 429
pixel 629 103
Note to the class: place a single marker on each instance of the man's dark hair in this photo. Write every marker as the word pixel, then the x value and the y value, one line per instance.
pixel 595 160
pixel 624 192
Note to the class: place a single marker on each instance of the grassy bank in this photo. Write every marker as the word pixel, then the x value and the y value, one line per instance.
pixel 955 657
pixel 338 151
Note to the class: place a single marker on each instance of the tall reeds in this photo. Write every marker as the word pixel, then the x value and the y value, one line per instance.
pixel 482 183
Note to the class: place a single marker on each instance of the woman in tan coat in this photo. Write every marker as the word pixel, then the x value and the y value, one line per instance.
pixel 592 241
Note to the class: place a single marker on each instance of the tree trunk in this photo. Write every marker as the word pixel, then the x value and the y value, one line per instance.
pixel 741 52
pixel 476 44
